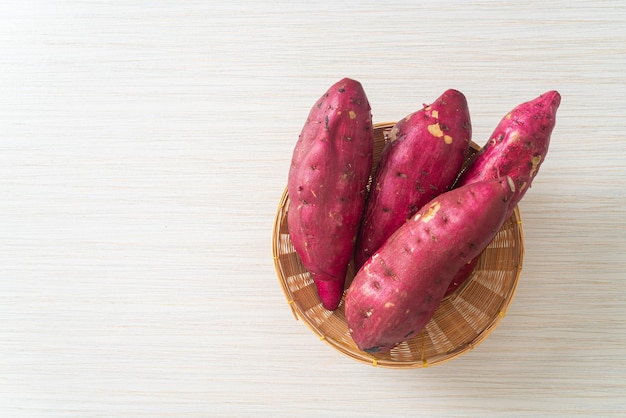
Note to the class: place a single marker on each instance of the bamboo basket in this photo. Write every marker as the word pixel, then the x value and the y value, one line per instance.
pixel 463 320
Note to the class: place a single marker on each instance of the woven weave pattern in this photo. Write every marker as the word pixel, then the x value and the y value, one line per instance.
pixel 462 320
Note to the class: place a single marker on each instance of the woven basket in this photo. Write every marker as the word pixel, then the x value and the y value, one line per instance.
pixel 462 321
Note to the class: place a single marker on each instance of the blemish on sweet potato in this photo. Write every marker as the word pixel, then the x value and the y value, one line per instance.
pixel 523 186
pixel 387 270
pixel 535 161
pixel 435 130
pixel 431 212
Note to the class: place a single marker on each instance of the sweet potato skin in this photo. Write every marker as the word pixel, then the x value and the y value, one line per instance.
pixel 517 148
pixel 422 159
pixel 462 275
pixel 328 176
pixel 396 292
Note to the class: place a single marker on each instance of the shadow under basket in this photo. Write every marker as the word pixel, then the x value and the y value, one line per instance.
pixel 463 320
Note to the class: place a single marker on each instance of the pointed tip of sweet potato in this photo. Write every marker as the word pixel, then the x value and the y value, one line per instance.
pixel 552 99
pixel 346 83
pixel 455 95
pixel 330 293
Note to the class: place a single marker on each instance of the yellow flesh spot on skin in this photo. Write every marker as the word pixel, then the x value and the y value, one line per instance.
pixel 508 116
pixel 523 186
pixel 352 114
pixel 389 305
pixel 393 134
pixel 435 130
pixel 435 114
pixel 447 139
pixel 535 161
pixel 512 184
pixel 432 211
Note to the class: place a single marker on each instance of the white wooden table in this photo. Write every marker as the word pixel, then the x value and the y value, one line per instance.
pixel 144 146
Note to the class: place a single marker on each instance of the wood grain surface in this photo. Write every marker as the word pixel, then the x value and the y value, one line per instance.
pixel 144 146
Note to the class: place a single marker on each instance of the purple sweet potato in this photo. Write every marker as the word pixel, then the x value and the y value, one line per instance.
pixel 327 184
pixel 517 148
pixel 398 289
pixel 423 158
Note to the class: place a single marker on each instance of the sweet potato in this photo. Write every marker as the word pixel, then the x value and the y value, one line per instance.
pixel 327 184
pixel 422 159
pixel 396 292
pixel 517 148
